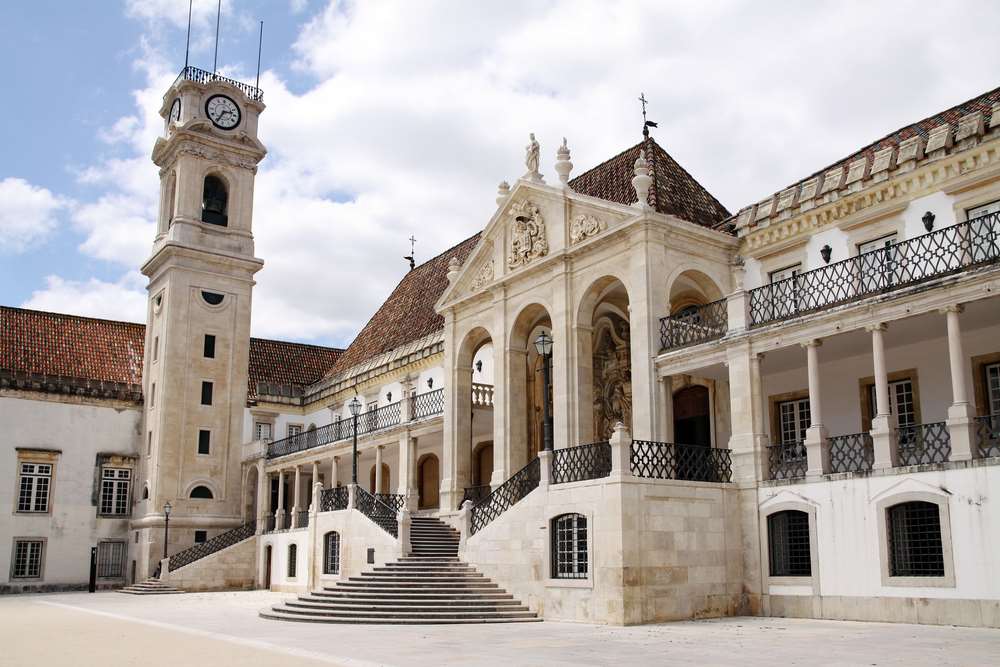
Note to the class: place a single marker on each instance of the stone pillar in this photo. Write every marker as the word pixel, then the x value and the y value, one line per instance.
pixel 407 475
pixel 464 525
pixel 296 496
pixel 817 445
pixel 378 469
pixel 314 563
pixel 457 431
pixel 279 516
pixel 961 425
pixel 403 526
pixel 563 355
pixel 544 468
pixel 334 471
pixel 501 396
pixel 263 497
pixel 644 337
pixel 667 408
pixel 621 453
pixel 884 423
pixel 315 473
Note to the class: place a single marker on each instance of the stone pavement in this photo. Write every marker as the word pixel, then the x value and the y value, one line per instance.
pixel 223 629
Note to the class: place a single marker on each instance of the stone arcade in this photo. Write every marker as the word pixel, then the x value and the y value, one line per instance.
pixel 792 410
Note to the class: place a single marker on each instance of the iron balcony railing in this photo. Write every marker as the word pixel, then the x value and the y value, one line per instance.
pixel 203 76
pixel 924 443
pixel 945 251
pixel 667 460
pixel 331 500
pixel 691 327
pixel 476 493
pixel 396 501
pixel 369 422
pixel 988 435
pixel 217 543
pixel 302 519
pixel 376 510
pixel 427 404
pixel 851 453
pixel 787 460
pixel 575 464
pixel 520 484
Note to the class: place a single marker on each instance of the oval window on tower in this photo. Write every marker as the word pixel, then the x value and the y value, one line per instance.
pixel 212 298
pixel 215 202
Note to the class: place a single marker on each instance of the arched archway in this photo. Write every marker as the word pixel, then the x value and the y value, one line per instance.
pixel 472 383
pixel 215 200
pixel 527 396
pixel 482 464
pixel 428 482
pixel 250 484
pixel 386 485
pixel 692 288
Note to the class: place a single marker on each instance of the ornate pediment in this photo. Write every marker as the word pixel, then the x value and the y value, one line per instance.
pixel 527 234
pixel 584 226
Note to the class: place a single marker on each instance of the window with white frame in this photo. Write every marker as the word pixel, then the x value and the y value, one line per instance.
pixel 111 559
pixel 915 545
pixel 262 430
pixel 27 559
pixel 115 483
pixel 786 289
pixel 793 420
pixel 993 388
pixel 877 263
pixel 34 486
pixel 901 404
pixel 788 549
pixel 294 429
pixel 984 230
pixel 569 547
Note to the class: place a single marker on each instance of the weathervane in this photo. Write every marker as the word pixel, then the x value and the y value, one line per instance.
pixel 646 124
pixel 409 257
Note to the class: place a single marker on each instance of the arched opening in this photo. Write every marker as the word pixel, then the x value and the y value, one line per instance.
pixel 145 491
pixel 472 396
pixel 482 464
pixel 202 492
pixel 690 290
pixel 385 486
pixel 604 353
pixel 250 494
pixel 526 368
pixel 428 482
pixel 692 416
pixel 215 201
pixel 267 567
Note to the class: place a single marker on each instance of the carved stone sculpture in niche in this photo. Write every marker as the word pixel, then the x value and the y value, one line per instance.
pixel 527 234
pixel 585 226
pixel 483 277
pixel 612 376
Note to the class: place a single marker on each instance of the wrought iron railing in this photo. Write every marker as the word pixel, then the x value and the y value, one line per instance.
pixel 948 250
pixel 851 453
pixel 427 404
pixel 787 460
pixel 373 508
pixel 283 522
pixel 691 327
pixel 475 493
pixel 520 484
pixel 369 422
pixel 574 464
pixel 396 501
pixel 482 395
pixel 331 500
pixel 217 543
pixel 988 435
pixel 924 443
pixel 667 460
pixel 302 519
pixel 269 525
pixel 202 76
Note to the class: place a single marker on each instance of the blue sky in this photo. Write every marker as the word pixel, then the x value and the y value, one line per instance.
pixel 391 118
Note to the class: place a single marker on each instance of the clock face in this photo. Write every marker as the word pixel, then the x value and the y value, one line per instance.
pixel 223 112
pixel 175 111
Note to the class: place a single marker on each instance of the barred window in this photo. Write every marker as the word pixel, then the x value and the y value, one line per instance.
pixel 788 544
pixel 33 487
pixel 569 547
pixel 110 559
pixel 27 559
pixel 115 484
pixel 794 420
pixel 915 548
pixel 292 557
pixel 262 431
pixel 993 388
pixel 331 553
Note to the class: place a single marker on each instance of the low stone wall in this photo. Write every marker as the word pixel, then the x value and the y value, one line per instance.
pixel 232 568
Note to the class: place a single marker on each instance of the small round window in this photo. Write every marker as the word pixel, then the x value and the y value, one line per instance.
pixel 212 298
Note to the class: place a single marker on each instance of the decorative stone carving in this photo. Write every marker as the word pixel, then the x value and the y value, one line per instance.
pixel 809 189
pixel 995 116
pixel 642 181
pixel 612 366
pixel 585 226
pixel 503 191
pixel 527 234
pixel 883 161
pixel 745 217
pixel 832 180
pixel 910 149
pixel 531 157
pixel 939 139
pixel 764 209
pixel 563 165
pixel 484 276
pixel 786 199
pixel 454 267
pixel 970 126
pixel 856 170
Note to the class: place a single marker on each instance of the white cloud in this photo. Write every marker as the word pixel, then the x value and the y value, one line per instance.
pixel 122 300
pixel 28 214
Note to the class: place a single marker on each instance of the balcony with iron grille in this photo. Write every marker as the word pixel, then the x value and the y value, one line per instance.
pixel 199 75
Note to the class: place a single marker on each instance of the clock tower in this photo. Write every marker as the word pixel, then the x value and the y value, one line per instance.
pixel 201 274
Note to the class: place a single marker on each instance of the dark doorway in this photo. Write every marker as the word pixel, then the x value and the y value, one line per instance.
pixel 692 422
pixel 267 567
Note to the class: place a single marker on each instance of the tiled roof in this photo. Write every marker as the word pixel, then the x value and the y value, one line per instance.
pixel 674 191
pixel 408 314
pixel 85 349
pixel 983 103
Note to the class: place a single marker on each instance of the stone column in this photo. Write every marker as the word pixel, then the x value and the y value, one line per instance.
pixel 961 425
pixel 544 468
pixel 296 496
pixel 501 396
pixel 334 471
pixel 884 423
pixel 378 469
pixel 644 337
pixel 621 453
pixel 563 355
pixel 407 476
pixel 667 408
pixel 817 445
pixel 263 497
pixel 279 516
pixel 457 431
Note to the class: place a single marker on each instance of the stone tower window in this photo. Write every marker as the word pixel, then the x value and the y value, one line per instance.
pixel 215 202
pixel 202 492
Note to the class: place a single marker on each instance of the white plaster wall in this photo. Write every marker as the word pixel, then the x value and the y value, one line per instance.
pixel 82 431
pixel 279 542
pixel 938 203
pixel 840 248
pixel 485 355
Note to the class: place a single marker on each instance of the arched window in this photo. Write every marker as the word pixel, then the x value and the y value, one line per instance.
pixel 915 548
pixel 788 544
pixel 569 546
pixel 292 557
pixel 331 553
pixel 202 492
pixel 215 202
pixel 145 492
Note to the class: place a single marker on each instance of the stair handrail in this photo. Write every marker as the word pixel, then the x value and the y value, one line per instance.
pixel 502 498
pixel 217 543
pixel 376 510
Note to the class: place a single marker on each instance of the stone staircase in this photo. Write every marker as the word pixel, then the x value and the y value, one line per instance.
pixel 431 586
pixel 150 587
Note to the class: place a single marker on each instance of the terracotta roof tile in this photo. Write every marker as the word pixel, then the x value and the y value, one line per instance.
pixel 279 362
pixel 674 191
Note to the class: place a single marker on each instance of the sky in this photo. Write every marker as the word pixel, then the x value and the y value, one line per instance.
pixel 391 119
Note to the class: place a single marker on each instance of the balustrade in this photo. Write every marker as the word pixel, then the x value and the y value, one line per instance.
pixel 694 326
pixel 203 76
pixel 520 484
pixel 376 510
pixel 787 460
pixel 988 435
pixel 851 453
pixel 217 543
pixel 482 395
pixel 575 464
pixel 924 443
pixel 331 500
pixel 667 460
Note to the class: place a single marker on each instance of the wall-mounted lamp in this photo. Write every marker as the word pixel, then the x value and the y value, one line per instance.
pixel 430 383
pixel 479 366
pixel 928 221
pixel 826 252
pixel 388 396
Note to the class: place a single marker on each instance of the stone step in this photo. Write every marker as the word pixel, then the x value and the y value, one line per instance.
pixel 417 615
pixel 430 587
pixel 446 574
pixel 328 594
pixel 277 615
pixel 406 605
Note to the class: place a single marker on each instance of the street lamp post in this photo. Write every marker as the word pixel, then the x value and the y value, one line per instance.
pixel 355 406
pixel 544 346
pixel 166 527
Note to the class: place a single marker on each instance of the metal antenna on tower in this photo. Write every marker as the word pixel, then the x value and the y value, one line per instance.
pixel 218 18
pixel 410 257
pixel 187 44
pixel 260 43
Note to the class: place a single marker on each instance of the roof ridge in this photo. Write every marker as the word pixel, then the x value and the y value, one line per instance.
pixel 686 172
pixel 293 342
pixel 71 315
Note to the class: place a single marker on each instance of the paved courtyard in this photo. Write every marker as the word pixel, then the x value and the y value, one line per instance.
pixel 223 629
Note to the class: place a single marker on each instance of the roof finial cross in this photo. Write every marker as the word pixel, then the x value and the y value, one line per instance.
pixel 646 124
pixel 410 257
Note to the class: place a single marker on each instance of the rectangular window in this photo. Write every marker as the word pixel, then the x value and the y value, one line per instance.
pixel 200 536
pixel 992 372
pixel 788 544
pixel 985 209
pixel 206 393
pixel 294 429
pixel 204 441
pixel 34 486
pixel 877 261
pixel 984 231
pixel 149 443
pixel 111 559
pixel 115 483
pixel 209 346
pixel 156 348
pixel 152 395
pixel 786 290
pixel 794 419
pixel 569 547
pixel 900 402
pixel 27 559
pixel 262 431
